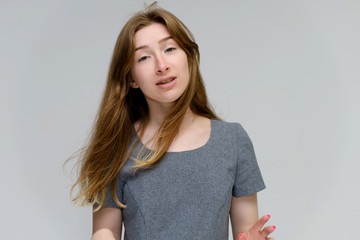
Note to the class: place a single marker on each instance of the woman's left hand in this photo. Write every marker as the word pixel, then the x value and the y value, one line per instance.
pixel 258 231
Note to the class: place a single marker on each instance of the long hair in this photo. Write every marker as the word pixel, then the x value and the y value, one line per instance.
pixel 122 106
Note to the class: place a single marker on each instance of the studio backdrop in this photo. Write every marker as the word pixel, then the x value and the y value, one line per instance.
pixel 288 71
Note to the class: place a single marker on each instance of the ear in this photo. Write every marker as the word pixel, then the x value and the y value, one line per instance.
pixel 133 84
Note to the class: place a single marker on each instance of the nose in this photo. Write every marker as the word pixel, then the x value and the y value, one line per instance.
pixel 161 65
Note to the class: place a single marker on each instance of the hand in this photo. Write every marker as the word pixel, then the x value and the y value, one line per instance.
pixel 257 232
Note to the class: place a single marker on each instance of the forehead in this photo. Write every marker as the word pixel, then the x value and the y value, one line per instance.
pixel 149 34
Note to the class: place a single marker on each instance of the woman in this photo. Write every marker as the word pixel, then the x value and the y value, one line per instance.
pixel 160 160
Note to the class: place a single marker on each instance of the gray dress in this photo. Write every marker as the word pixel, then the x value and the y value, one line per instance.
pixel 188 194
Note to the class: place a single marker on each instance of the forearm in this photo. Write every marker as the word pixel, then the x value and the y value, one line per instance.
pixel 243 213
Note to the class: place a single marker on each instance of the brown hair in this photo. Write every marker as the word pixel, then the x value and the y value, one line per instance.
pixel 122 106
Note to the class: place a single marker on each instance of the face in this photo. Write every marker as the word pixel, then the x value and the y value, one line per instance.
pixel 160 67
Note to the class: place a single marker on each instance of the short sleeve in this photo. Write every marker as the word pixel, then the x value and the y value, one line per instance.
pixel 248 179
pixel 109 200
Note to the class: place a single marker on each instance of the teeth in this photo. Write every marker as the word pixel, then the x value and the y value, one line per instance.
pixel 166 81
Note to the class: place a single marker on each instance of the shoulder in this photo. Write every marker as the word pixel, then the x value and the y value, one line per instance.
pixel 232 127
pixel 230 131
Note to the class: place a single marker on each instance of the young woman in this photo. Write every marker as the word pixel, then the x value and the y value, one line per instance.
pixel 159 159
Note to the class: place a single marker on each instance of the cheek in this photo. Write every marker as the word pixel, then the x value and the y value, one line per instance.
pixel 186 68
pixel 137 74
pixel 183 63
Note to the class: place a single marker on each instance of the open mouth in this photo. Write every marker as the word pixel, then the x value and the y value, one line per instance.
pixel 165 81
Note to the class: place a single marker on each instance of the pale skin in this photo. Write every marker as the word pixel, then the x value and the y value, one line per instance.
pixel 158 57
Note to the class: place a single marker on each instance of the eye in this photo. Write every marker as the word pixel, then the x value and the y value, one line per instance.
pixel 170 49
pixel 143 58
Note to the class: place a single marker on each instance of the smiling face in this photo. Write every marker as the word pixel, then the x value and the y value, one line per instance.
pixel 160 66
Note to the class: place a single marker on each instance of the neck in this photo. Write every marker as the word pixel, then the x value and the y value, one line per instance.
pixel 158 112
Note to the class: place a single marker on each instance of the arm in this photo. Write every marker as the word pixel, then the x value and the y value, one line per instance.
pixel 243 213
pixel 244 222
pixel 107 224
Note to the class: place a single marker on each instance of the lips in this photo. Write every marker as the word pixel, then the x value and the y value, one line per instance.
pixel 165 80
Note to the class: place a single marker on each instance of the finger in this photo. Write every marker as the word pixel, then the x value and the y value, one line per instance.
pixel 270 238
pixel 267 230
pixel 260 223
pixel 240 236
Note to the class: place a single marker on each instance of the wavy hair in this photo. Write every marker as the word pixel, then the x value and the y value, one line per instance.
pixel 108 149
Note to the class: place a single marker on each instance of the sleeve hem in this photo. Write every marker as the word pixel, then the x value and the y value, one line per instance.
pixel 248 192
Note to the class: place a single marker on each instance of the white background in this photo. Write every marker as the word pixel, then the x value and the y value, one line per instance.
pixel 288 71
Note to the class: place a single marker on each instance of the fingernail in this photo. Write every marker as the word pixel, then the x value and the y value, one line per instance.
pixel 240 235
pixel 268 216
pixel 274 227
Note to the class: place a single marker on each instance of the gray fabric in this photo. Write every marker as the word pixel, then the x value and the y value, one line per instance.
pixel 188 195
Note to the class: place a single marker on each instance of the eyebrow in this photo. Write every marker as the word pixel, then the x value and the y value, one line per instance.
pixel 160 41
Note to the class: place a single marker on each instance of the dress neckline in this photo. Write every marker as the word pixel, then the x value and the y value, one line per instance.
pixel 185 151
